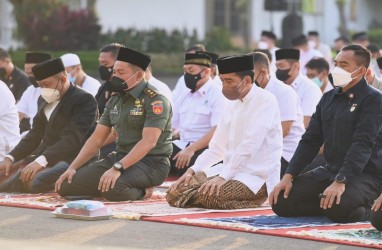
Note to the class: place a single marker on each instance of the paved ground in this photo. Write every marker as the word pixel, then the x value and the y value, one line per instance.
pixel 35 229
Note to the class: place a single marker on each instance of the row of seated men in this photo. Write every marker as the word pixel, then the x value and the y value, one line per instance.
pixel 250 136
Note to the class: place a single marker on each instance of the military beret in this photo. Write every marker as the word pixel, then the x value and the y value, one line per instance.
pixel 36 57
pixel 134 57
pixel 292 54
pixel 47 69
pixel 232 64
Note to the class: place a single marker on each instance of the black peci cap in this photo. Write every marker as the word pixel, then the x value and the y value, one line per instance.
pixel 291 54
pixel 134 57
pixel 47 69
pixel 201 58
pixel 36 57
pixel 232 64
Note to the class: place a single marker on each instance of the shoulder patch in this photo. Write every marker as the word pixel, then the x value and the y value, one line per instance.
pixel 150 92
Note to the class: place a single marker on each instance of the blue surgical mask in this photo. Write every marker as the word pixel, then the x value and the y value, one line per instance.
pixel 317 81
pixel 71 78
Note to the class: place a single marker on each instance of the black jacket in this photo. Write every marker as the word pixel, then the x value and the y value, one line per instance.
pixel 350 125
pixel 62 137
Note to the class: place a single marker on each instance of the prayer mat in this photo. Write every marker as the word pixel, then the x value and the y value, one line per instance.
pixel 369 236
pixel 51 201
pixel 261 222
pixel 268 225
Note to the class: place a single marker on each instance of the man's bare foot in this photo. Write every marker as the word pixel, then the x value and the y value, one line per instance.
pixel 149 192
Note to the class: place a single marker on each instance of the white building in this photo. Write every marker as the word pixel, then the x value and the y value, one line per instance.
pixel 244 18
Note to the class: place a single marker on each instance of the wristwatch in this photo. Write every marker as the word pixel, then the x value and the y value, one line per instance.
pixel 340 178
pixel 118 166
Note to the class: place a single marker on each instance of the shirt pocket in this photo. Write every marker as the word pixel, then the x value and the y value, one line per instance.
pixel 135 121
pixel 202 115
pixel 114 119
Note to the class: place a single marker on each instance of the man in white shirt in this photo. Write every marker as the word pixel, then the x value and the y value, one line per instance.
pixel 288 71
pixel 315 42
pixel 248 139
pixel 9 123
pixel 317 70
pixel 77 76
pixel 306 52
pixel 292 120
pixel 65 118
pixel 180 86
pixel 196 112
pixel 27 105
pixel 159 85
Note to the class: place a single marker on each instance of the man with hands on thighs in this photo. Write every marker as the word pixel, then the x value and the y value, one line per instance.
pixel 142 119
pixel 349 120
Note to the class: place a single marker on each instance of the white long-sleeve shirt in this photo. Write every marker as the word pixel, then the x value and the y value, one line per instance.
pixel 9 121
pixel 249 141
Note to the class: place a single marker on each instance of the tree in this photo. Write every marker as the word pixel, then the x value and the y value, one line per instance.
pixel 49 25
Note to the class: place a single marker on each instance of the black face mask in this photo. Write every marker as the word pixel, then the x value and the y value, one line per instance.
pixel 192 80
pixel 105 72
pixel 32 80
pixel 118 85
pixel 282 74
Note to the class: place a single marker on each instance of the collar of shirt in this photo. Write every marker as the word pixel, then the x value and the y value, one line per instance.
pixel 296 81
pixel 205 88
pixel 135 92
pixel 250 94
pixel 357 91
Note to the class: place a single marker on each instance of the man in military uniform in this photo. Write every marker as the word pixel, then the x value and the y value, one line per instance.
pixel 142 120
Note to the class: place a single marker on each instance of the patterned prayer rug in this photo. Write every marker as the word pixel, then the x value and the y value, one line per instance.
pixel 265 222
pixel 368 236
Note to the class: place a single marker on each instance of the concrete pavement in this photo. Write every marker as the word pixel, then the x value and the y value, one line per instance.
pixel 35 229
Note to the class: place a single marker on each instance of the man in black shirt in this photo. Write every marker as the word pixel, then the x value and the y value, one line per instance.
pixel 107 58
pixel 16 79
pixel 348 119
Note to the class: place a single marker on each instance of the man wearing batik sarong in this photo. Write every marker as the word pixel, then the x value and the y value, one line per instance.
pixel 249 141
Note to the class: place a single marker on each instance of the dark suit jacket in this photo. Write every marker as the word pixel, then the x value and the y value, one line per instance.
pixel 62 137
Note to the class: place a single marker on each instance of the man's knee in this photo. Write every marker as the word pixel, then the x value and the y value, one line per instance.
pixel 39 185
pixel 123 195
pixel 66 189
pixel 345 214
pixel 376 220
pixel 283 206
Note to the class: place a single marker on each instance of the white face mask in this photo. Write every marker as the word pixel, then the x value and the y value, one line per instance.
pixel 312 44
pixel 262 45
pixel 342 78
pixel 50 95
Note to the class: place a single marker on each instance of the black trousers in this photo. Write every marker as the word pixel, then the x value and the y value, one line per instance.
pixel 356 201
pixel 177 171
pixel 131 185
pixel 376 219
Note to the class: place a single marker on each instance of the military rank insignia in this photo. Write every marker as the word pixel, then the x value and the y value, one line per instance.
pixel 157 107
pixel 137 110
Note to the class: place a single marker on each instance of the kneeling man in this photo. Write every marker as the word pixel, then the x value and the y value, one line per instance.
pixel 249 141
pixel 348 119
pixel 142 119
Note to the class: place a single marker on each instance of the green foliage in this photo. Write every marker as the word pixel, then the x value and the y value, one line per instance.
pixel 375 36
pixel 154 40
pixel 218 39
pixel 50 25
